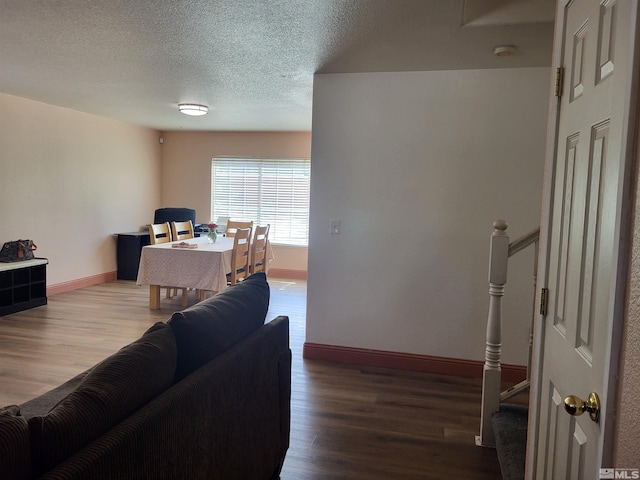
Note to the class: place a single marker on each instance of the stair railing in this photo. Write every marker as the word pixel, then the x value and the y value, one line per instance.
pixel 499 253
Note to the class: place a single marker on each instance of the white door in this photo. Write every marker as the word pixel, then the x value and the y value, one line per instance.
pixel 584 223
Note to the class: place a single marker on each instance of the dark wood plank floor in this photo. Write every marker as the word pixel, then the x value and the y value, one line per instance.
pixel 348 422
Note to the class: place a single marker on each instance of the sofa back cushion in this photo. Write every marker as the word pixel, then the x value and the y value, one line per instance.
pixel 113 389
pixel 211 327
pixel 15 453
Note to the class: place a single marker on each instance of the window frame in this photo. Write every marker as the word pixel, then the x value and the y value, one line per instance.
pixel 267 184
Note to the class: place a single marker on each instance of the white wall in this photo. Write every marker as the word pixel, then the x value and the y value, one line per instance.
pixel 69 181
pixel 417 166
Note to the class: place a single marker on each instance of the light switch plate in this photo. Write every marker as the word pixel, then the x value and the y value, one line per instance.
pixel 334 224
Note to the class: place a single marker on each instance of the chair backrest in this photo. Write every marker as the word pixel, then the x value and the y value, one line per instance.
pixel 182 230
pixel 240 255
pixel 159 233
pixel 233 226
pixel 173 214
pixel 259 249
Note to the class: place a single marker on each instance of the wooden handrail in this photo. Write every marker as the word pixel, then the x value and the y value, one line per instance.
pixel 524 241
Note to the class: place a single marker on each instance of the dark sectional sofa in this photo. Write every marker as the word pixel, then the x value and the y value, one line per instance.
pixel 205 395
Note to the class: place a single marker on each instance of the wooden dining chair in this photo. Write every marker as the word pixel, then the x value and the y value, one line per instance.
pixel 182 230
pixel 233 226
pixel 240 256
pixel 258 261
pixel 161 233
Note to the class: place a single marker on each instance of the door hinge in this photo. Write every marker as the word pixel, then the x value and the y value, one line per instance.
pixel 544 298
pixel 558 88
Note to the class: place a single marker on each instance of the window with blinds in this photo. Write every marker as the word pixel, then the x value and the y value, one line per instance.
pixel 273 191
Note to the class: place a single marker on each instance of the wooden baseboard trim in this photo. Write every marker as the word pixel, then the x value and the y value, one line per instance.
pixel 80 283
pixel 286 273
pixel 407 361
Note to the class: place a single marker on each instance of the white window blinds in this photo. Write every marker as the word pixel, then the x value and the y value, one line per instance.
pixel 265 191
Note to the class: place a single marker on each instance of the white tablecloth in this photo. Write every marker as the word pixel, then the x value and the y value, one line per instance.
pixel 202 268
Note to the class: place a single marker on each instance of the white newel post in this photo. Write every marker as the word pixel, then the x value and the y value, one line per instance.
pixel 491 378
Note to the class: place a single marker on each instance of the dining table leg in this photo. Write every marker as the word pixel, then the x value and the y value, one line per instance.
pixel 184 297
pixel 154 297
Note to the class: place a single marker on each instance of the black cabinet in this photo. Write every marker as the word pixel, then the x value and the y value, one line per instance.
pixel 128 252
pixel 23 285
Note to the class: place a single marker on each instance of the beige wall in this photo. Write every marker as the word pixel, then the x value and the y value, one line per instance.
pixel 70 180
pixel 186 172
pixel 627 441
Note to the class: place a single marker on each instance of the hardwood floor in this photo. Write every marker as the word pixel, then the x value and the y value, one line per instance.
pixel 348 422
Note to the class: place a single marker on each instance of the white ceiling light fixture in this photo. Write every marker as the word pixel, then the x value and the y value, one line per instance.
pixel 193 109
pixel 504 50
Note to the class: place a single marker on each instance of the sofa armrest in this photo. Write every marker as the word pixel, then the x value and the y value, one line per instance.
pixel 284 374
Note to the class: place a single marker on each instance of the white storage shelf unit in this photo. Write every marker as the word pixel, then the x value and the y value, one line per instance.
pixel 23 285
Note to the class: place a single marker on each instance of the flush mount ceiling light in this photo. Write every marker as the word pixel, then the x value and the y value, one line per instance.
pixel 193 109
pixel 504 50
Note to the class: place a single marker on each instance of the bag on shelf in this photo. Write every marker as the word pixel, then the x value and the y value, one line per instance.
pixel 17 251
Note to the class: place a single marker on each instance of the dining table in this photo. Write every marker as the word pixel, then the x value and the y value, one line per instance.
pixel 194 263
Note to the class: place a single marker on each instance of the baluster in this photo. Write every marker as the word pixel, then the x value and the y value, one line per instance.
pixel 491 378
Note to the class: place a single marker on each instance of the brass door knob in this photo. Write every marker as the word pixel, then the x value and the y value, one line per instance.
pixel 574 405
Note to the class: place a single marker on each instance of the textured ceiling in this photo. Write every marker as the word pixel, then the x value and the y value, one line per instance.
pixel 251 61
